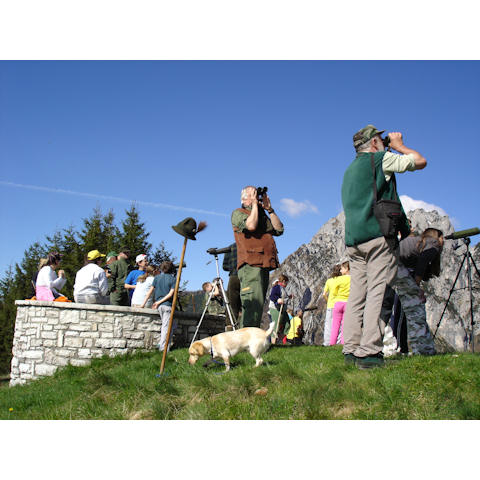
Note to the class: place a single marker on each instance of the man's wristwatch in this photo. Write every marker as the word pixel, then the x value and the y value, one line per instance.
pixel 271 211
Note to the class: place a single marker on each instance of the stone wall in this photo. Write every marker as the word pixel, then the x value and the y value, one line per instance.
pixel 49 335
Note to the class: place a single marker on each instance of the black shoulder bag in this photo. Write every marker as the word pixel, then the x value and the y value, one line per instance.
pixel 387 212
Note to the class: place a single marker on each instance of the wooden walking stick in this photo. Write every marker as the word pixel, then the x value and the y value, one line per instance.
pixel 174 304
pixel 187 228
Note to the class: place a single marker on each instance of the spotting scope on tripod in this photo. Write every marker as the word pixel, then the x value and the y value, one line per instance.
pixel 465 236
pixel 217 282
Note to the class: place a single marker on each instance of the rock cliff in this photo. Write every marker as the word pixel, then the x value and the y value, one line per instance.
pixel 309 267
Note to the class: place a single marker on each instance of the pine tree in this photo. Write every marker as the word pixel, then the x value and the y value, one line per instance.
pixel 134 236
pixel 161 254
pixel 100 232
pixel 91 236
pixel 111 233
pixel 8 312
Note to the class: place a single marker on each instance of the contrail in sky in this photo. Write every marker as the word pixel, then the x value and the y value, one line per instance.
pixel 108 197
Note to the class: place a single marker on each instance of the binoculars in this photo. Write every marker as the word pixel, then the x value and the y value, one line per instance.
pixel 261 191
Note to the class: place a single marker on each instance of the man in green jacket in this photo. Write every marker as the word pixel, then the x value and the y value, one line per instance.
pixel 373 259
pixel 116 280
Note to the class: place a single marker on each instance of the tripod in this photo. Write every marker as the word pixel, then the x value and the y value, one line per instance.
pixel 467 256
pixel 217 282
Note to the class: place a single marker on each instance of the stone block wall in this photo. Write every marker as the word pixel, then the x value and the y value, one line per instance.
pixel 49 335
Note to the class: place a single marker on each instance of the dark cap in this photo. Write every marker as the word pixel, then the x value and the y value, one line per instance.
pixel 365 134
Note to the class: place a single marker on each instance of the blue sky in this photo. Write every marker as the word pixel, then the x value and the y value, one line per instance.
pixel 182 138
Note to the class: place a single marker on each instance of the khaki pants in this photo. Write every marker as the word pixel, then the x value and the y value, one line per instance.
pixel 373 266
pixel 253 288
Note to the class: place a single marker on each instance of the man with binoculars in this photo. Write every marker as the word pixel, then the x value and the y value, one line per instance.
pixel 256 250
pixel 373 218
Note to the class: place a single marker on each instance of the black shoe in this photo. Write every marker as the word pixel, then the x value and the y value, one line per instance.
pixel 372 361
pixel 349 358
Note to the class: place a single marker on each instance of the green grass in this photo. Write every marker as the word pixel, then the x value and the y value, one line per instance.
pixel 295 383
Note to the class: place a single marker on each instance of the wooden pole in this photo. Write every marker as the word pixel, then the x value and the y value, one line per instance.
pixel 174 304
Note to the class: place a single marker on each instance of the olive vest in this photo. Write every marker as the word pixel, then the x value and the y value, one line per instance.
pixel 357 198
pixel 256 248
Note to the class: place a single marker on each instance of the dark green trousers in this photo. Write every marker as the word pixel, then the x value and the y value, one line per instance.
pixel 120 298
pixel 253 289
pixel 233 294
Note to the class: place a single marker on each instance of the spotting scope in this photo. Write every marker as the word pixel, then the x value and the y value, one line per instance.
pixel 463 234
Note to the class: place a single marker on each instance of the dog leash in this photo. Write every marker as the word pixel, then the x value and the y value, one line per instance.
pixel 211 353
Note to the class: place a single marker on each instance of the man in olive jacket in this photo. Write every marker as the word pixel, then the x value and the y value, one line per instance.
pixel 116 280
pixel 373 259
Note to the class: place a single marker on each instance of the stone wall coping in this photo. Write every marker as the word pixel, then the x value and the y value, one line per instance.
pixel 111 308
pixel 84 306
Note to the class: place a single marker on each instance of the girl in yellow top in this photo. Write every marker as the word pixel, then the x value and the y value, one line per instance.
pixel 330 299
pixel 341 291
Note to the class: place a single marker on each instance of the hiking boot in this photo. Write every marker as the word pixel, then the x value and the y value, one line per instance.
pixel 349 358
pixel 372 361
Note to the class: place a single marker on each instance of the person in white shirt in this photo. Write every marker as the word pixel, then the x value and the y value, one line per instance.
pixel 91 285
pixel 144 282
pixel 48 282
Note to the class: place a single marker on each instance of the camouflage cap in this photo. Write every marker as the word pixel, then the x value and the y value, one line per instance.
pixel 365 134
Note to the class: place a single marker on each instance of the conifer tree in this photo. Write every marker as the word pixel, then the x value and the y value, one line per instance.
pixel 111 233
pixel 100 232
pixel 7 319
pixel 91 235
pixel 161 254
pixel 134 236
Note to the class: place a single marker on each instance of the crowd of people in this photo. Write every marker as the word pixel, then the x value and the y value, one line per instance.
pixel 113 283
pixel 379 281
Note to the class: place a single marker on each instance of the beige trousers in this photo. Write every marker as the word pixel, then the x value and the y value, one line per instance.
pixel 373 266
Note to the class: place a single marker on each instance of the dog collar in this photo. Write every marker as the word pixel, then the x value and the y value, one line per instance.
pixel 211 347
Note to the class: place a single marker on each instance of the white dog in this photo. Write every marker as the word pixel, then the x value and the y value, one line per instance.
pixel 226 345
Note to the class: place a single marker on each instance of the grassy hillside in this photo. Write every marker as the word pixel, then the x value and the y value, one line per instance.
pixel 295 383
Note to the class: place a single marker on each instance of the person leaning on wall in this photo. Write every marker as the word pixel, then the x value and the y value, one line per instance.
pixel 91 284
pixel 116 280
pixel 48 282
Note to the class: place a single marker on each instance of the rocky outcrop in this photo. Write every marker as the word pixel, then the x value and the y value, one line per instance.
pixel 310 265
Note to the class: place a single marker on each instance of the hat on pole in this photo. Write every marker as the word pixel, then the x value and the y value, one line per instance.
pixel 188 228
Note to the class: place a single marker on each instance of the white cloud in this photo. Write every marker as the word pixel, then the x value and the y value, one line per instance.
pixel 295 209
pixel 411 204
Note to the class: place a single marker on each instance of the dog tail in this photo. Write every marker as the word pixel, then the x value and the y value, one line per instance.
pixel 270 329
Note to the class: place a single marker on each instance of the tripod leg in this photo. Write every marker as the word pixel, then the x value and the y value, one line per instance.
pixel 450 294
pixel 227 303
pixel 469 278
pixel 201 318
pixel 473 263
